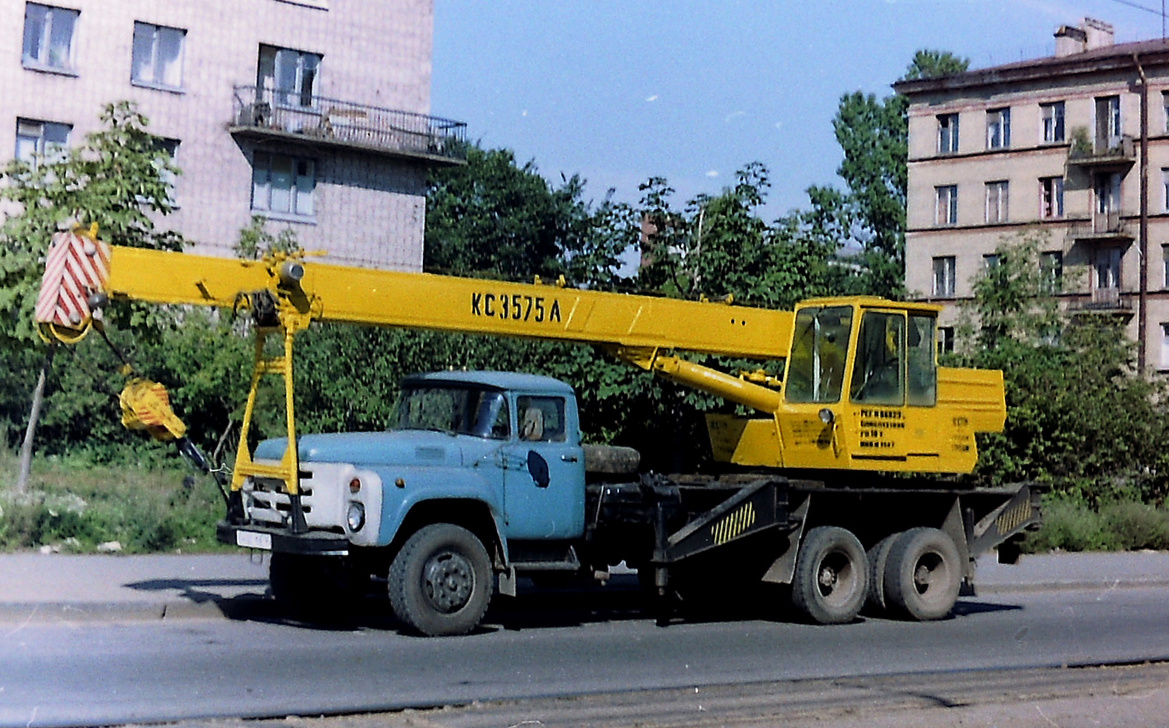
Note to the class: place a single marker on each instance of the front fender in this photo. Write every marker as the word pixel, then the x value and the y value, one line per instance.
pixel 404 488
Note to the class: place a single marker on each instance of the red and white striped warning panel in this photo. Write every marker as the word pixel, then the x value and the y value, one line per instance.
pixel 77 265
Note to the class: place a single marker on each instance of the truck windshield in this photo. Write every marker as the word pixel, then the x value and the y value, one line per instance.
pixel 815 369
pixel 454 409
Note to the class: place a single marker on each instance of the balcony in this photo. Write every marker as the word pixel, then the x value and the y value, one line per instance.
pixel 1118 153
pixel 1108 226
pixel 1105 301
pixel 331 123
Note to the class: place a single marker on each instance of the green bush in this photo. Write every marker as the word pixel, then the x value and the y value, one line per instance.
pixel 1070 524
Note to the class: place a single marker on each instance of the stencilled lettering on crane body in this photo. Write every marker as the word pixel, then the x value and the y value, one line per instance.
pixel 516 307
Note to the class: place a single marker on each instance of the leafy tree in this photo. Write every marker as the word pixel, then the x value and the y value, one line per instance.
pixel 1079 416
pixel 874 136
pixel 117 179
pixel 499 219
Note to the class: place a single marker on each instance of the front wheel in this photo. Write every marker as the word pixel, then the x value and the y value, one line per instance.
pixel 923 574
pixel 440 582
pixel 831 578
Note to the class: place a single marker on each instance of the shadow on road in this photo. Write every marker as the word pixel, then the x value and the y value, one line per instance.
pixel 544 608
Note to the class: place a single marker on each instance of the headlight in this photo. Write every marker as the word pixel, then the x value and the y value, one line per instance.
pixel 356 516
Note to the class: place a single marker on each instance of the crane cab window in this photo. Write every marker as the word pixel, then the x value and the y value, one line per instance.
pixel 895 363
pixel 815 369
pixel 878 376
pixel 923 366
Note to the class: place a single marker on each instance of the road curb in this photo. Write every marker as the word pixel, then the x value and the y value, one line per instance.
pixel 1100 584
pixel 57 612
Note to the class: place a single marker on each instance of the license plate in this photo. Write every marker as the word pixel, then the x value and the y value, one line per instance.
pixel 253 540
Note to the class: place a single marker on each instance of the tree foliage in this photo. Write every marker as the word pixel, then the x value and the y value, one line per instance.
pixel 116 178
pixel 1079 415
pixel 874 136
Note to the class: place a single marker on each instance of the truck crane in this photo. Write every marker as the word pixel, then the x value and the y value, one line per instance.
pixel 838 486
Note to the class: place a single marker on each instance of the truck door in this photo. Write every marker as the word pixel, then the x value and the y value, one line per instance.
pixel 544 478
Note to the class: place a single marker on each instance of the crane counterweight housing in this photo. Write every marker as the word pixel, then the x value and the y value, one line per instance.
pixel 485 472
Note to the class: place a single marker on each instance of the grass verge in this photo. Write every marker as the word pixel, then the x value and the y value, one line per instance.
pixel 75 507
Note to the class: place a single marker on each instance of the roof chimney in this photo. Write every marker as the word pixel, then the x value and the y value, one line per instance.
pixel 1100 34
pixel 1090 34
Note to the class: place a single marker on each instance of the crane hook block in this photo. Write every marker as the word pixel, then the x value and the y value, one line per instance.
pixel 76 268
pixel 146 406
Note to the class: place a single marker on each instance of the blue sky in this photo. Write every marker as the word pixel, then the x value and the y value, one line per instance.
pixel 692 91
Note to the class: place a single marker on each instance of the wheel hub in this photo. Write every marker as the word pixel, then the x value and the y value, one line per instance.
pixel 448 581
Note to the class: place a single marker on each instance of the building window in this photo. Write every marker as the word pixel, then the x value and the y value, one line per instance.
pixel 1164 346
pixel 1165 108
pixel 283 185
pixel 157 56
pixel 1051 272
pixel 998 128
pixel 1106 273
pixel 1108 128
pixel 1165 266
pixel 1050 197
pixel 996 201
pixel 946 209
pixel 944 277
pixel 168 176
pixel 947 134
pixel 36 140
pixel 1165 188
pixel 48 37
pixel 991 261
pixel 945 340
pixel 290 75
pixel 1053 129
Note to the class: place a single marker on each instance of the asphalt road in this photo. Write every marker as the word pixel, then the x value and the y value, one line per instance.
pixel 259 664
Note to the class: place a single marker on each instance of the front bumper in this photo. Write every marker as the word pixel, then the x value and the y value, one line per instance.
pixel 279 540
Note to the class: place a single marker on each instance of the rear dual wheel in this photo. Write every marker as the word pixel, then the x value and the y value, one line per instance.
pixel 922 574
pixel 831 577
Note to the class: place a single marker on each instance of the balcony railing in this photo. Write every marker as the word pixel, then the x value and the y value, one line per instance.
pixel 334 122
pixel 1120 152
pixel 1110 225
pixel 1103 300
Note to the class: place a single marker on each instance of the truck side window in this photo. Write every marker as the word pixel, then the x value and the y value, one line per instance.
pixel 923 366
pixel 878 375
pixel 541 419
pixel 815 369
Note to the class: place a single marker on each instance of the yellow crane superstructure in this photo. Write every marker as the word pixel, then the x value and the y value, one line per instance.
pixel 861 389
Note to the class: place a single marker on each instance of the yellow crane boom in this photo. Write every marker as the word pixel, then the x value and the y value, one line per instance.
pixel 861 391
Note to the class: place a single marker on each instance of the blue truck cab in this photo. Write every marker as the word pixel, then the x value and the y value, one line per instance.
pixel 491 459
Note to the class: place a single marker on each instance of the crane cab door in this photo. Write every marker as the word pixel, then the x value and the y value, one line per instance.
pixel 544 473
pixel 893 419
pixel 861 390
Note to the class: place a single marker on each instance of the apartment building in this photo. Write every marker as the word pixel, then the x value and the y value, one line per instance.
pixel 310 113
pixel 1076 146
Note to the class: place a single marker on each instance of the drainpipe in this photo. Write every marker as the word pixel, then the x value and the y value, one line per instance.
pixel 1143 250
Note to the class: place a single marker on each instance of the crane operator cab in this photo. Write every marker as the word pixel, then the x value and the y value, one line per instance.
pixel 863 390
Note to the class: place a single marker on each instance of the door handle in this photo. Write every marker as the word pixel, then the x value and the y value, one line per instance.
pixel 568 458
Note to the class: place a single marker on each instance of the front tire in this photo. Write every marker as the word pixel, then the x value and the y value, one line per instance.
pixel 440 582
pixel 831 578
pixel 923 574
